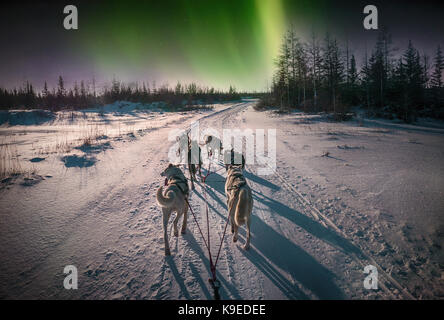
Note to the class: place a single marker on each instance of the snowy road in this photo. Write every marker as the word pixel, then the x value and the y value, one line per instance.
pixel 313 230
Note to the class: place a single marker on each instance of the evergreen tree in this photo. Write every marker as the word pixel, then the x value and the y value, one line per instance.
pixel 436 79
pixel 115 90
pixel 76 90
pixel 302 71
pixel 353 72
pixel 61 92
pixel 425 70
pixel 352 90
pixel 177 90
pixel 282 77
pixel 412 78
pixel 333 69
pixel 366 76
pixel 45 92
pixel 315 58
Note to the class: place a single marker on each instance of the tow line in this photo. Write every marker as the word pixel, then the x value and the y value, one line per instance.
pixel 215 283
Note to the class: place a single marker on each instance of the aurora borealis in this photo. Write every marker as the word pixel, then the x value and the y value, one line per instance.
pixel 214 43
pixel 232 41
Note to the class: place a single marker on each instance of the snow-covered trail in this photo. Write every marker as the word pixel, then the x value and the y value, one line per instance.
pixel 104 220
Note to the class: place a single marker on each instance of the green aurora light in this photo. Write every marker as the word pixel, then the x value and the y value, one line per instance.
pixel 215 43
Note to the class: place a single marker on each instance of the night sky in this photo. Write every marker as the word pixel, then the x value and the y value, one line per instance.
pixel 215 43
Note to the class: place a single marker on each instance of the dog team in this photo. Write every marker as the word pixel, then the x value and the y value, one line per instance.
pixel 173 197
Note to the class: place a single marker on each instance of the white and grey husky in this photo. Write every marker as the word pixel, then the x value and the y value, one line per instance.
pixel 173 198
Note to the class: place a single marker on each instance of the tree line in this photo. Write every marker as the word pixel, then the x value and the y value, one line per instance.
pixel 82 95
pixel 320 75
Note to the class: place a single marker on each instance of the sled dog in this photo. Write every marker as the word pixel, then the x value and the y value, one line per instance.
pixel 174 197
pixel 232 157
pixel 239 201
pixel 214 146
pixel 194 161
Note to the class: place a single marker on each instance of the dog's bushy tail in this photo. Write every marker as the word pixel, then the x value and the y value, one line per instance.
pixel 164 201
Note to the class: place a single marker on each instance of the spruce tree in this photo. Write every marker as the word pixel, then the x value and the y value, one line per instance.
pixel 352 72
pixel 436 79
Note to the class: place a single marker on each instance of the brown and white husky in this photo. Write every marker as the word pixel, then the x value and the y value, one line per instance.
pixel 239 201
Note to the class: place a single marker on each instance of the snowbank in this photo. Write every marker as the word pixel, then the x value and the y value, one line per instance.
pixel 26 117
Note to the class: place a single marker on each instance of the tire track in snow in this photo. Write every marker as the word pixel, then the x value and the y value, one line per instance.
pixel 227 268
pixel 327 223
pixel 163 285
pixel 185 253
pixel 227 254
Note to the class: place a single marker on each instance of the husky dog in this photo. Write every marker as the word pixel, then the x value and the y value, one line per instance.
pixel 233 158
pixel 193 159
pixel 173 198
pixel 239 201
pixel 214 145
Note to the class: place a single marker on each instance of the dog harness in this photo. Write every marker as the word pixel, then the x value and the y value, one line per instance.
pixel 239 181
pixel 179 182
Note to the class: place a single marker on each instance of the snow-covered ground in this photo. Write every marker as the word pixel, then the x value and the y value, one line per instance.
pixel 345 195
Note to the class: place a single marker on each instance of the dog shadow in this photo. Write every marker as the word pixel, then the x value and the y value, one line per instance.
pixel 177 276
pixel 291 291
pixel 283 254
pixel 260 180
pixel 273 254
pixel 226 286
pixel 308 224
pixel 213 195
pixel 198 276
pixel 216 182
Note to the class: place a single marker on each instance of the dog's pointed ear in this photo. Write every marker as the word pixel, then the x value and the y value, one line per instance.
pixel 170 165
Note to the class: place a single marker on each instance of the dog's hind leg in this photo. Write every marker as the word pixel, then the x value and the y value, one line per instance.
pixel 234 225
pixel 247 243
pixel 248 219
pixel 230 207
pixel 184 222
pixel 166 216
pixel 176 220
pixel 236 228
pixel 230 213
pixel 194 171
pixel 191 175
